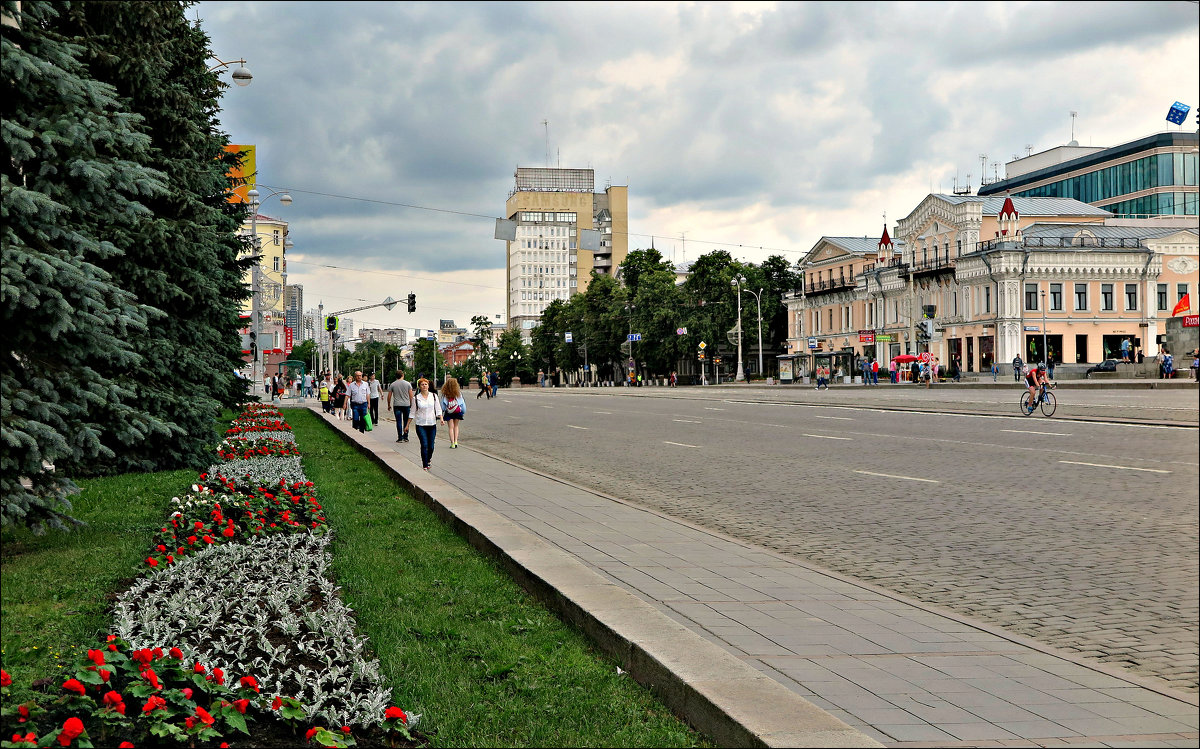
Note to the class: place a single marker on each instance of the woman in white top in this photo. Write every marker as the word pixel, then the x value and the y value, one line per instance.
pixel 427 414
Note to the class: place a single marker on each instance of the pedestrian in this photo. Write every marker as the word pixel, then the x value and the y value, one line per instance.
pixel 426 416
pixel 376 394
pixel 308 385
pixel 359 393
pixel 483 387
pixel 1196 365
pixel 494 381
pixel 454 408
pixel 874 371
pixel 1168 364
pixel 892 371
pixel 639 379
pixel 864 371
pixel 995 370
pixel 400 401
pixel 1126 346
pixel 936 373
pixel 915 371
pixel 1050 367
pixel 674 379
pixel 323 394
pixel 1018 367
pixel 339 397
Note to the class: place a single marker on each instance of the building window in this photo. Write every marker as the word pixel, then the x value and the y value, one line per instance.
pixel 1106 297
pixel 1081 300
pixel 1182 291
pixel 275 237
pixel 1162 297
pixel 1031 297
pixel 987 299
pixel 275 263
pixel 1056 298
pixel 1131 296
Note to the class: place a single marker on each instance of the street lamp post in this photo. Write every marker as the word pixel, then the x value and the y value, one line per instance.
pixel 758 301
pixel 1045 349
pixel 241 74
pixel 629 339
pixel 256 271
pixel 741 374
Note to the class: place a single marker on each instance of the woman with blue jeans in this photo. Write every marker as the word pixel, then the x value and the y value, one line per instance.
pixel 427 414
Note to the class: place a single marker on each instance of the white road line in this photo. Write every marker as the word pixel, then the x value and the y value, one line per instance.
pixel 547 406
pixel 706 408
pixel 606 413
pixel 1027 431
pixel 506 401
pixel 894 476
pixel 1123 468
pixel 685 421
pixel 839 418
pixel 678 444
pixel 575 427
pixel 827 437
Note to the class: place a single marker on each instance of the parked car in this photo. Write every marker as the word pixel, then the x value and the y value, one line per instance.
pixel 1108 365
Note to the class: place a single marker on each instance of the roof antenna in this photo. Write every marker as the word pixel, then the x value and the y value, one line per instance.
pixel 1073 141
pixel 546 124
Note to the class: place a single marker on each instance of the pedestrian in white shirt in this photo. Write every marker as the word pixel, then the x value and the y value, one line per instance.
pixel 376 394
pixel 426 414
pixel 360 396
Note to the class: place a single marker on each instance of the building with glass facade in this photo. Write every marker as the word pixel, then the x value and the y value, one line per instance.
pixel 1151 176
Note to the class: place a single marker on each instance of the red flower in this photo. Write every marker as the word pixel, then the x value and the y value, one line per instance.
pixel 73 685
pixel 228 532
pixel 154 703
pixel 198 669
pixel 29 738
pixel 204 717
pixel 152 561
pixel 157 653
pixel 345 729
pixel 170 559
pixel 208 539
pixel 71 730
pixel 143 656
pixel 104 675
pixel 189 722
pixel 177 654
pixel 5 679
pixel 191 540
pixel 115 701
pixel 218 676
pixel 278 703
pixel 187 693
pixel 125 745
pixel 309 734
pixel 197 525
pixel 395 712
pixel 160 547
pixel 241 705
pixel 248 681
pixel 152 677
pixel 23 712
pixel 96 656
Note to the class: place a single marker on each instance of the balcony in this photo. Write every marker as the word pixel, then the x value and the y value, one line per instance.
pixel 829 285
pixel 602 262
pixel 933 266
pixel 1078 243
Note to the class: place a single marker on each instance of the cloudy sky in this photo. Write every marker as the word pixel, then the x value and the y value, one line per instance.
pixel 755 127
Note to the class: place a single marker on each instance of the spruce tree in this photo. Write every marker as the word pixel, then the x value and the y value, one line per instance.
pixel 183 260
pixel 72 177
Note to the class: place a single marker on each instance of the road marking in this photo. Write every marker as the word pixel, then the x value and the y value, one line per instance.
pixel 827 437
pixel 575 427
pixel 685 421
pixel 1026 431
pixel 506 401
pixel 678 444
pixel 606 413
pixel 894 476
pixel 1104 465
pixel 839 418
pixel 706 408
pixel 547 406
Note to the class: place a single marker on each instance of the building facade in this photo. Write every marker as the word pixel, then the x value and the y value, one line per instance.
pixel 1151 176
pixel 976 280
pixel 272 280
pixel 293 310
pixel 393 336
pixel 547 260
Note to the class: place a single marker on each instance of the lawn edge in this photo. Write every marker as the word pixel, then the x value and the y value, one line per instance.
pixel 713 691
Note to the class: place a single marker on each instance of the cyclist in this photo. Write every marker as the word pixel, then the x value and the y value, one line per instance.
pixel 1035 377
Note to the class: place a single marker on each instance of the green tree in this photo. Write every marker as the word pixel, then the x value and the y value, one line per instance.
pixel 184 258
pixel 639 263
pixel 305 351
pixel 713 299
pixel 512 357
pixel 606 325
pixel 73 177
pixel 481 328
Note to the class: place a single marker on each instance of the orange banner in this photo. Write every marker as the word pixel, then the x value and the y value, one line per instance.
pixel 244 177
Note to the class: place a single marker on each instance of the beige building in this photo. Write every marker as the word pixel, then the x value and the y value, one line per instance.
pixel 272 278
pixel 548 260
pixel 991 278
pixel 393 336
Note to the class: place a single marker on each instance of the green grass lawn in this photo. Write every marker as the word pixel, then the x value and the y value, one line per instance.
pixel 55 590
pixel 461 643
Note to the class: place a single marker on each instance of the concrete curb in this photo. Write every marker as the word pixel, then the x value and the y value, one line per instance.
pixel 718 694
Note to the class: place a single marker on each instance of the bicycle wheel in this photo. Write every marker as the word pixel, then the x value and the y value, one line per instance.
pixel 1048 404
pixel 1026 407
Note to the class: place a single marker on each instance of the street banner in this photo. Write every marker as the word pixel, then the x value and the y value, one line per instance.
pixel 287 340
pixel 866 336
pixel 1191 321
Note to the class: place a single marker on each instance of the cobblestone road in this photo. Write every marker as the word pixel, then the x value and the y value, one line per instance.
pixel 1083 536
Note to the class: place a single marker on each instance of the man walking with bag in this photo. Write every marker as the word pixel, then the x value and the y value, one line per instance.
pixel 360 397
pixel 400 401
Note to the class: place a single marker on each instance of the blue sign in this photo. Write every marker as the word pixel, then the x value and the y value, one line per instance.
pixel 812 343
pixel 1178 113
pixel 635 336
pixel 430 335
pixel 569 338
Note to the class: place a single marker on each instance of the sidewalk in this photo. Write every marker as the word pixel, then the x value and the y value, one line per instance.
pixel 746 643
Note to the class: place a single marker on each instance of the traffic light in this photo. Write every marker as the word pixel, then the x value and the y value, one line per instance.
pixel 929 311
pixel 927 326
pixel 331 324
pixel 412 302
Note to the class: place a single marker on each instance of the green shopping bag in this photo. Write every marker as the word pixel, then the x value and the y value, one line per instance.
pixel 367 419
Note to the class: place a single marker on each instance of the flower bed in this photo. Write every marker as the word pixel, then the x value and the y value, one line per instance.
pixel 237 587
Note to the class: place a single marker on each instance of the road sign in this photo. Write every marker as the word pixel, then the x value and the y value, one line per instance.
pixel 389 303
pixel 812 342
pixel 681 331
pixel 569 338
pixel 703 345
pixel 430 335
pixel 635 336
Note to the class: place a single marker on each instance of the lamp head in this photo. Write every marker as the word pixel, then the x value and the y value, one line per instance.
pixel 285 199
pixel 242 76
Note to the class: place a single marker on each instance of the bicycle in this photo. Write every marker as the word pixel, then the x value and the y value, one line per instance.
pixel 1045 399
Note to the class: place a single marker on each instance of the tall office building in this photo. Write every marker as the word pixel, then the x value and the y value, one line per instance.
pixel 546 260
pixel 1147 177
pixel 293 306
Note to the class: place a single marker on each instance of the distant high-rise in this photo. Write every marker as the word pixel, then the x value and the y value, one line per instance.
pixel 546 262
pixel 293 306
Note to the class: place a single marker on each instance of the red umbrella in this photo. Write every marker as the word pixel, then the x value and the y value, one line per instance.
pixel 904 358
